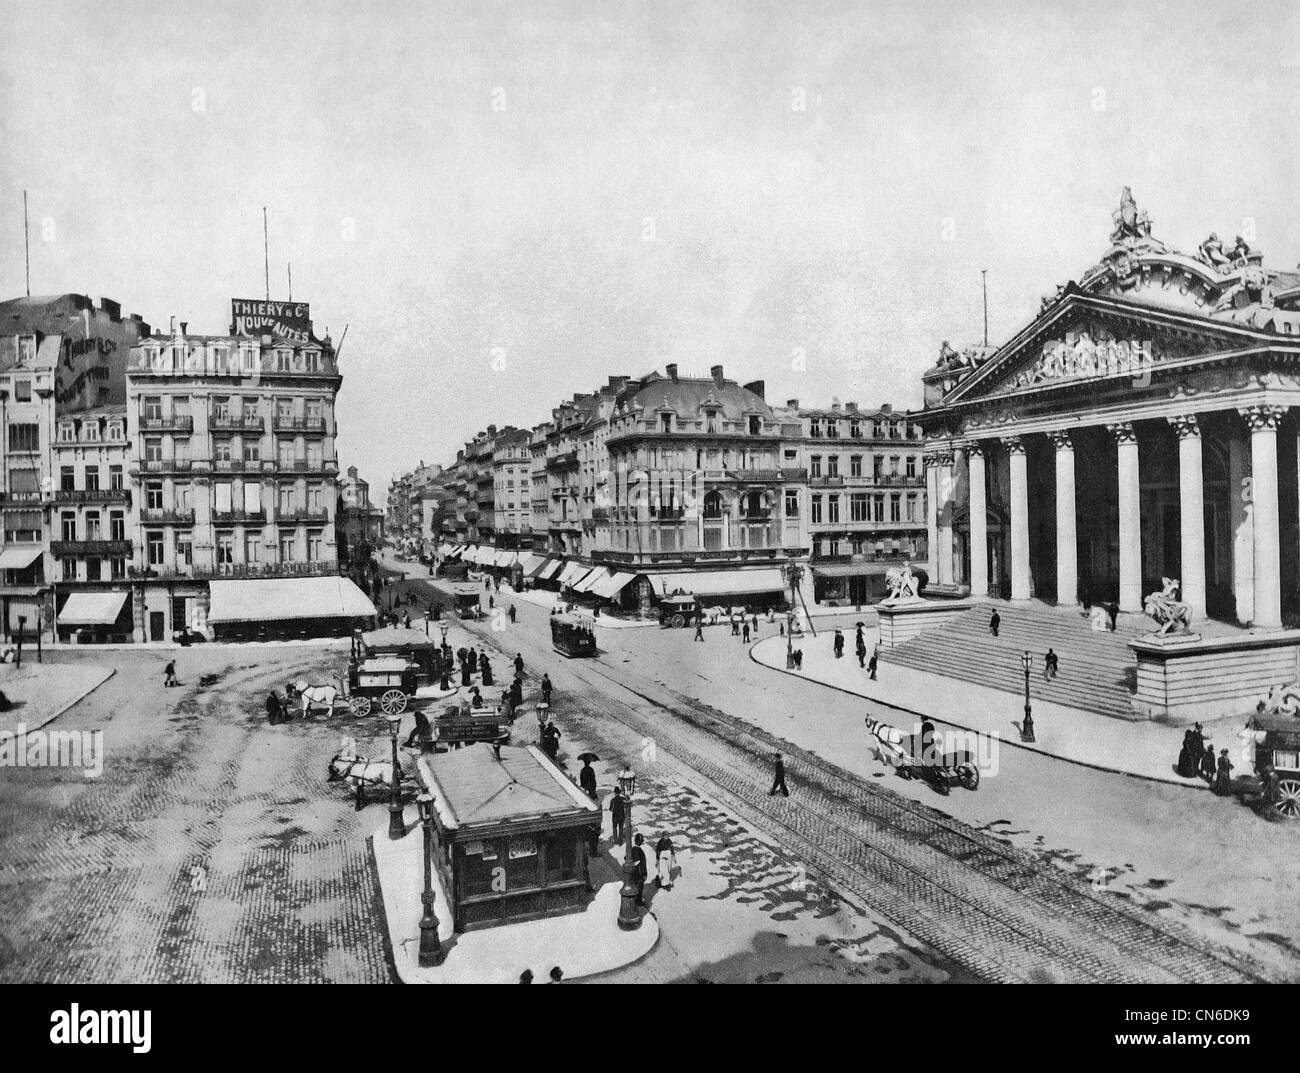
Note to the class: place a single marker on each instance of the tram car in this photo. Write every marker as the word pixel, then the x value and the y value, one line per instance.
pixel 467 601
pixel 573 635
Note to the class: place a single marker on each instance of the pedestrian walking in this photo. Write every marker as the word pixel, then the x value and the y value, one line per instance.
pixel 995 620
pixel 1050 664
pixel 511 613
pixel 587 779
pixel 778 776
pixel 617 809
pixel 169 675
pixel 871 665
pixel 485 668
pixel 516 692
pixel 745 634
pixel 1223 776
pixel 406 620
pixel 465 673
pixel 755 625
pixel 1112 613
pixel 519 663
pixel 492 602
pixel 642 872
pixel 861 648
pixel 839 644
pixel 665 861
pixel 546 688
pixel 735 627
pixel 1208 766
pixel 699 627
pixel 798 659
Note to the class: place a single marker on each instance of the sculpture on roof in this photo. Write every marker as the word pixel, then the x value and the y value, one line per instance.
pixel 1130 221
pixel 1210 252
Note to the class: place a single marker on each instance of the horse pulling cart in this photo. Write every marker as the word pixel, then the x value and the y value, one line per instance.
pixel 914 756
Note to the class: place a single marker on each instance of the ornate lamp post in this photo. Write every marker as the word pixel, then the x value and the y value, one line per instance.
pixel 18 656
pixel 431 952
pixel 629 917
pixel 1027 727
pixel 396 825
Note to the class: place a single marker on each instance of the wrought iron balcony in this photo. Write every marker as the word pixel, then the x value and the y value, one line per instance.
pixel 167 423
pixel 219 422
pixel 227 517
pixel 165 516
pixel 293 423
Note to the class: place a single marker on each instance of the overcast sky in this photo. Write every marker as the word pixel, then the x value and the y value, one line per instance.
pixel 569 191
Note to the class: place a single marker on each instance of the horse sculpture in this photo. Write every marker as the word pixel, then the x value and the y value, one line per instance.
pixel 1281 700
pixel 314 696
pixel 359 771
pixel 1172 615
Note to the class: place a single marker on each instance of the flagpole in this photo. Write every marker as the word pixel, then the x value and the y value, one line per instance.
pixel 266 253
pixel 984 276
pixel 27 248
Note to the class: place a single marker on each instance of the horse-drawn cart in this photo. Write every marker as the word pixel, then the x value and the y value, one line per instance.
pixel 1277 763
pixel 916 756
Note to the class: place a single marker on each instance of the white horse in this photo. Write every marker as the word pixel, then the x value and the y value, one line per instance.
pixel 889 742
pixel 359 771
pixel 315 696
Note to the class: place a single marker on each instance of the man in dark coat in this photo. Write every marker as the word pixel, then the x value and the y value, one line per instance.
pixel 519 663
pixel 587 779
pixel 839 644
pixel 546 688
pixel 778 776
pixel 871 664
pixel 1208 766
pixel 617 810
pixel 517 692
pixel 642 872
pixel 995 620
pixel 485 668
pixel 512 612
pixel 465 673
pixel 860 646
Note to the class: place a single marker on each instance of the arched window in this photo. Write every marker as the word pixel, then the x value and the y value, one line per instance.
pixel 713 505
pixel 754 503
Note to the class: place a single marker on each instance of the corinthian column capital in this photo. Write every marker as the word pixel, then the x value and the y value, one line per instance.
pixel 1123 432
pixel 1261 418
pixel 973 449
pixel 1014 445
pixel 1186 425
pixel 1061 440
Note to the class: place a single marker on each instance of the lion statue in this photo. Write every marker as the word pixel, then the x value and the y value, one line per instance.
pixel 1165 607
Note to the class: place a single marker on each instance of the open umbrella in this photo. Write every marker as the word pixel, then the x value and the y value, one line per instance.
pixel 588 758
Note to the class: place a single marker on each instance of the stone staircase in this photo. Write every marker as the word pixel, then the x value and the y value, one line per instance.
pixel 1097 670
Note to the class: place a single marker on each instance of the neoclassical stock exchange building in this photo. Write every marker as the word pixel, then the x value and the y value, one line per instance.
pixel 1143 426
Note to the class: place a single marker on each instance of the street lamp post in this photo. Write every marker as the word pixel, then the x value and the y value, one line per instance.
pixel 629 917
pixel 431 952
pixel 1027 727
pixel 396 825
pixel 18 656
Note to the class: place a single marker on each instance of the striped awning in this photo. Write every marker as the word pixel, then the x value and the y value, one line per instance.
pixel 719 582
pixel 549 571
pixel 572 572
pixel 611 585
pixel 593 576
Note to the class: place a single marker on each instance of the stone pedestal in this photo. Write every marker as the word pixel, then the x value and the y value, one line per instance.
pixel 1187 677
pixel 902 621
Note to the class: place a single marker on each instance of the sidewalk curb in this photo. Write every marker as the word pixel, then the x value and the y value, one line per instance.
pixel 972 730
pixel 75 701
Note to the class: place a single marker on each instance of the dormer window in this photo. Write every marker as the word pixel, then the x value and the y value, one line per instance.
pixel 115 430
pixel 833 430
pixel 815 427
pixel 26 349
pixel 67 432
pixel 755 426
pixel 665 422
pixel 90 431
pixel 855 430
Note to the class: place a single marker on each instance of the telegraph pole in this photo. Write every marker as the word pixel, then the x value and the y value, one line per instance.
pixel 27 248
pixel 984 277
pixel 266 253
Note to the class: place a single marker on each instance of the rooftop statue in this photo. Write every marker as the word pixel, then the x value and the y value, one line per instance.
pixel 902 584
pixel 1211 252
pixel 1130 221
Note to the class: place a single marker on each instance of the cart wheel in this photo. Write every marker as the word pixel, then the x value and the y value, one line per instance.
pixel 904 773
pixel 1288 799
pixel 393 701
pixel 679 621
pixel 941 785
pixel 969 776
pixel 360 706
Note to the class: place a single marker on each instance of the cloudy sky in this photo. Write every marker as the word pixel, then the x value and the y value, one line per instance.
pixel 506 204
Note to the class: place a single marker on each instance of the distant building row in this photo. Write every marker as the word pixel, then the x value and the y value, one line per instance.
pixel 691 482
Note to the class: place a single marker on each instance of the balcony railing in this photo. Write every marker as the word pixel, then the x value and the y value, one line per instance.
pixel 292 423
pixel 162 465
pixel 165 516
pixel 304 514
pixel 103 548
pixel 20 497
pixel 562 461
pixel 86 495
pixel 168 423
pixel 826 481
pixel 305 465
pixel 228 517
pixel 236 422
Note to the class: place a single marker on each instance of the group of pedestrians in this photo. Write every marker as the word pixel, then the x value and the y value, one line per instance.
pixel 1197 758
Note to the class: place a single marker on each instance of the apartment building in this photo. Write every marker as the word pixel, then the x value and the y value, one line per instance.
pixel 233 452
pixel 512 488
pixel 863 507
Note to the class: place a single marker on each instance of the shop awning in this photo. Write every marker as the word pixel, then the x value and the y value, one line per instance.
pixel 486 555
pixel 276 599
pixel 719 582
pixel 572 572
pixel 852 569
pixel 506 558
pixel 20 557
pixel 590 579
pixel 92 608
pixel 610 586
pixel 528 563
pixel 549 571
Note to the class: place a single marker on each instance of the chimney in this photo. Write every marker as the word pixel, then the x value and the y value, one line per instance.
pixel 716 373
pixel 757 387
pixel 835 405
pixel 792 404
pixel 851 407
pixel 671 370
pixel 886 408
pixel 185 328
pixel 172 329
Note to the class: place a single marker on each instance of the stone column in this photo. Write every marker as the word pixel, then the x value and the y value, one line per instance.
pixel 1130 517
pixel 932 515
pixel 1263 422
pixel 1191 513
pixel 1020 575
pixel 979 537
pixel 945 487
pixel 1067 543
pixel 1242 518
